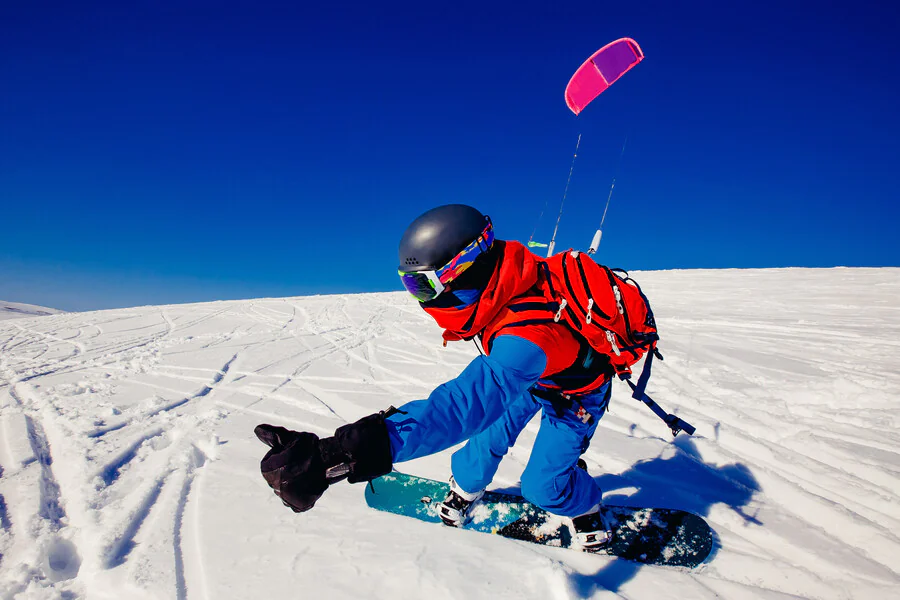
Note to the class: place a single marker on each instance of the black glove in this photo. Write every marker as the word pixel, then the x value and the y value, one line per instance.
pixel 300 466
pixel 293 467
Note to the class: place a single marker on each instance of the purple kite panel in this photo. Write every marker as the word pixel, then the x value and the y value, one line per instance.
pixel 615 60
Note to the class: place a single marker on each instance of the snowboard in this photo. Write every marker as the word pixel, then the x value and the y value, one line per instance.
pixel 654 536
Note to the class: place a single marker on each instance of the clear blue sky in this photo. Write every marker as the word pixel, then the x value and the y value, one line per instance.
pixel 155 152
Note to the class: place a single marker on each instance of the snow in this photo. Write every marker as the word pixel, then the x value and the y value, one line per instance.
pixel 130 470
pixel 16 310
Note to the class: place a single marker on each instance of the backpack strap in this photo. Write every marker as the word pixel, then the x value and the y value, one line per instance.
pixel 524 311
pixel 676 424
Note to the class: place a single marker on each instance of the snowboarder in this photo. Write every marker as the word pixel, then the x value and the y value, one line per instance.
pixel 474 286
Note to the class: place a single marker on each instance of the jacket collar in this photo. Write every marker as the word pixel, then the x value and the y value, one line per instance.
pixel 516 272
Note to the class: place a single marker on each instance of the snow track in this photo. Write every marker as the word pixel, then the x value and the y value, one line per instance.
pixel 128 466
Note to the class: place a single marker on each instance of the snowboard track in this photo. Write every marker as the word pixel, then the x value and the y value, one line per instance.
pixel 122 412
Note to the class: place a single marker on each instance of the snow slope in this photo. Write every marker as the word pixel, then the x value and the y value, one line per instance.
pixel 16 310
pixel 130 470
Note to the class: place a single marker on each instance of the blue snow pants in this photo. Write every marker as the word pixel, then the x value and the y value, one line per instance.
pixel 489 404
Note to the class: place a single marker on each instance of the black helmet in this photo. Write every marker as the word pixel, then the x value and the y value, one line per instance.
pixel 437 238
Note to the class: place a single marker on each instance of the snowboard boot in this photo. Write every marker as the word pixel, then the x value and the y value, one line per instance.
pixel 455 508
pixel 591 532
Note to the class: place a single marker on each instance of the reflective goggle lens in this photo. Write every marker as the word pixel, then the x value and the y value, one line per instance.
pixel 421 286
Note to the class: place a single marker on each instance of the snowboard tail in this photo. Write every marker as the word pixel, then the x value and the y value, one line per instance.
pixel 657 536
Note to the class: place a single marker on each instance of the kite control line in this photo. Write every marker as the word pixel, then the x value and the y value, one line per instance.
pixel 561 204
pixel 531 242
pixel 595 243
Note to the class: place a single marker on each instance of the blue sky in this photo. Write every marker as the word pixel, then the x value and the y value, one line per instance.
pixel 176 152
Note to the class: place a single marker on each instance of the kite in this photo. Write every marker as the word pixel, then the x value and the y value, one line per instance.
pixel 600 71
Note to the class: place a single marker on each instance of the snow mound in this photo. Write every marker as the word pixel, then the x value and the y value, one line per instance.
pixel 129 468
pixel 16 310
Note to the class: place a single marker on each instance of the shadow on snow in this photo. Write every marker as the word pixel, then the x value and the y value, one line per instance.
pixel 681 481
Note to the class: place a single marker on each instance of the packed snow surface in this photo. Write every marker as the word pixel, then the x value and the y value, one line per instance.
pixel 17 310
pixel 130 468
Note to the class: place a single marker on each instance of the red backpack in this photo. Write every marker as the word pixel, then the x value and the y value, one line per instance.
pixel 612 314
pixel 609 310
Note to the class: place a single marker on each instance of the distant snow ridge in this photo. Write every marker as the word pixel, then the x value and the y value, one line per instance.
pixel 129 468
pixel 16 310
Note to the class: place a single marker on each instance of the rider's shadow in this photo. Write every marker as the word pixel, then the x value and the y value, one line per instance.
pixel 681 481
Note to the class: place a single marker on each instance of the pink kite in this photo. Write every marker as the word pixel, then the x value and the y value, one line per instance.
pixel 600 71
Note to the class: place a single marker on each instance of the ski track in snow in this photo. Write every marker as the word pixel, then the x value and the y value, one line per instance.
pixel 128 466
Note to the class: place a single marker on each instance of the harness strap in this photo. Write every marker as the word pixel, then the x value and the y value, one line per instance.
pixel 562 402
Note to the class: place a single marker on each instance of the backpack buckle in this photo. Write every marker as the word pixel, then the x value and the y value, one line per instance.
pixel 612 342
pixel 562 306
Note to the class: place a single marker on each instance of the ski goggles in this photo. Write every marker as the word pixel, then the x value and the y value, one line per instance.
pixel 428 285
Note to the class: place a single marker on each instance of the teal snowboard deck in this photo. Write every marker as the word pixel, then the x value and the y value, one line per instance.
pixel 656 536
